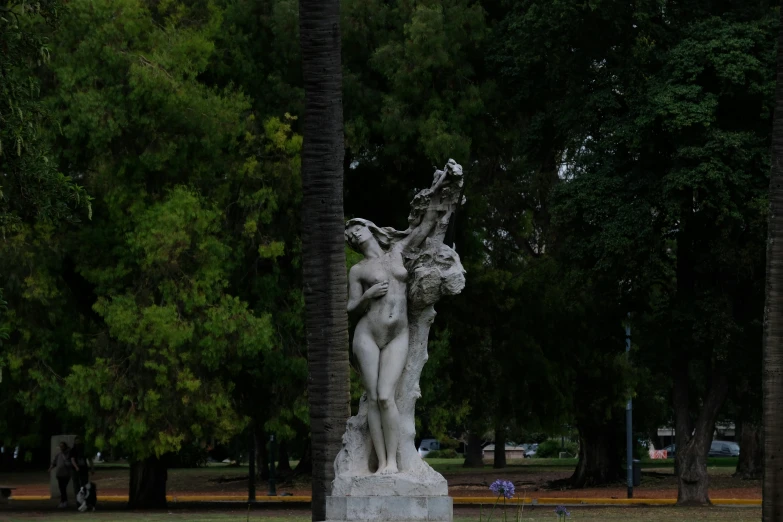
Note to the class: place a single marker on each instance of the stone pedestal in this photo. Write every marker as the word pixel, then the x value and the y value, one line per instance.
pixel 389 509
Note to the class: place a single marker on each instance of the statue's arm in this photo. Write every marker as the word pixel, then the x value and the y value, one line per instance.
pixel 358 298
pixel 420 233
pixel 430 218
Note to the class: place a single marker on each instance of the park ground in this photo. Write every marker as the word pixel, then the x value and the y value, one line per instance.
pixel 533 478
pixel 637 514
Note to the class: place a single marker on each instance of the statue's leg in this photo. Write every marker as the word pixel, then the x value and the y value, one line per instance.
pixel 393 358
pixel 368 354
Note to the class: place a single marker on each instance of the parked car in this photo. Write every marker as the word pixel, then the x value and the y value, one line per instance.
pixel 530 450
pixel 718 448
pixel 428 445
pixel 724 448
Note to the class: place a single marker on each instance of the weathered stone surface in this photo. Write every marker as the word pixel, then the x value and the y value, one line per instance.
pixel 424 482
pixel 389 509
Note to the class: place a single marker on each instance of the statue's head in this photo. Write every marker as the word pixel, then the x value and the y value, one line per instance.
pixel 360 231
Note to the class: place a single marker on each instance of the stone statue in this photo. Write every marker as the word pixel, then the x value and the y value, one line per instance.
pixel 392 291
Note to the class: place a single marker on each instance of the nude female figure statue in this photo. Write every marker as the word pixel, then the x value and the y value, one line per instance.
pixel 378 292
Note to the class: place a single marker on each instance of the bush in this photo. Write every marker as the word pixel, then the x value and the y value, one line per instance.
pixel 449 443
pixel 442 454
pixel 550 449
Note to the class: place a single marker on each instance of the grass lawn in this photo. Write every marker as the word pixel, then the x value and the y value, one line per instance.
pixel 664 514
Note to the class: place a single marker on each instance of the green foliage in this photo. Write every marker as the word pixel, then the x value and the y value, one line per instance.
pixel 443 454
pixel 424 103
pixel 551 448
pixel 36 200
pixel 170 333
pixel 449 443
pixel 32 188
pixel 603 143
pixel 633 166
pixel 189 193
pixel 4 328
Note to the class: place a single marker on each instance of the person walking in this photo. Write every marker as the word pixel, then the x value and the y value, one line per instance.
pixel 62 466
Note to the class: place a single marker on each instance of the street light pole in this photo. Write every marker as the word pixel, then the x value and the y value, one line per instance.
pixel 272 489
pixel 629 417
pixel 251 484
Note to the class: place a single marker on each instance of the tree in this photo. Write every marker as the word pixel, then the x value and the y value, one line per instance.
pixel 631 128
pixel 182 214
pixel 659 204
pixel 257 50
pixel 323 239
pixel 772 508
pixel 544 57
pixel 32 189
pixel 38 204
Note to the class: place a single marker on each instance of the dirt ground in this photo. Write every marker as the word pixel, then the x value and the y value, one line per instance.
pixel 115 513
pixel 656 483
pixel 530 480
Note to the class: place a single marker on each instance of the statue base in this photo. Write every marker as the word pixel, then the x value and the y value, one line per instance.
pixel 422 481
pixel 389 509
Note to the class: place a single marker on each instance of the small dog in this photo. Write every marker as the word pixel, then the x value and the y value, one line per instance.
pixel 87 497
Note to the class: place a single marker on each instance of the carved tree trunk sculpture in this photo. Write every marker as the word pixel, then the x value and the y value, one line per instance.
pixel 434 270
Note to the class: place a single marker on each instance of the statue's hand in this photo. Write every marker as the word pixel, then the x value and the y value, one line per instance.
pixel 377 290
pixel 452 169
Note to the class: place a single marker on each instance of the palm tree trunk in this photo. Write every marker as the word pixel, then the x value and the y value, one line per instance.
pixel 323 240
pixel 772 509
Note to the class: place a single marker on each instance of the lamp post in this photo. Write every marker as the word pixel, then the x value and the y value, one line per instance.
pixel 272 490
pixel 251 483
pixel 629 417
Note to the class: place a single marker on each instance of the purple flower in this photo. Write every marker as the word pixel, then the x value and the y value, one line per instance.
pixel 503 487
pixel 562 511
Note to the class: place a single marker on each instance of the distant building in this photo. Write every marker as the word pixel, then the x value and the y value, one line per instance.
pixel 512 452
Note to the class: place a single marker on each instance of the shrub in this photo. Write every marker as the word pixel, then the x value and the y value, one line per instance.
pixel 550 449
pixel 442 454
pixel 449 443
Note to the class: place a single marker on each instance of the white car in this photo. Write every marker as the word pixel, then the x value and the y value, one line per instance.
pixel 530 450
pixel 428 445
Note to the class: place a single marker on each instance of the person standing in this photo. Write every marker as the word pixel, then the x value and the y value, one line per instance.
pixel 62 466
pixel 80 466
